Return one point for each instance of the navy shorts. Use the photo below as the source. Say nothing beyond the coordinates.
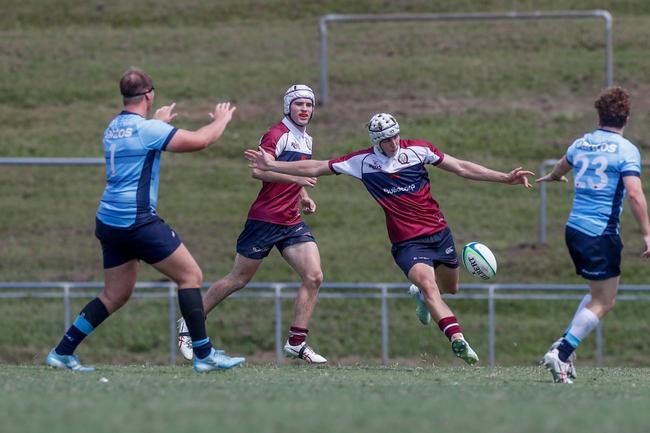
(434, 250)
(151, 242)
(259, 237)
(595, 257)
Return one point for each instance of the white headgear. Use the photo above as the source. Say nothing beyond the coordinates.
(297, 91)
(381, 127)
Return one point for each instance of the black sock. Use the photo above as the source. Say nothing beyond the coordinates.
(565, 349)
(92, 315)
(191, 304)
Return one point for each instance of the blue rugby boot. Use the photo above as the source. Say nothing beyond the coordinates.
(70, 362)
(216, 361)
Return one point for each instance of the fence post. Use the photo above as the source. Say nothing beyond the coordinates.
(67, 313)
(541, 237)
(278, 324)
(600, 344)
(171, 297)
(384, 325)
(492, 333)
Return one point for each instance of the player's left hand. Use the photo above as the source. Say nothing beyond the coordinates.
(165, 113)
(519, 176)
(259, 159)
(308, 205)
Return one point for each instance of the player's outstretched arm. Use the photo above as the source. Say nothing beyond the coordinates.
(270, 176)
(258, 159)
(561, 168)
(471, 170)
(191, 141)
(639, 208)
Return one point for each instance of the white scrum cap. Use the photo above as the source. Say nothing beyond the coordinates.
(381, 127)
(297, 91)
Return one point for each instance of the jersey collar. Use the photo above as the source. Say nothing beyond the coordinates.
(125, 113)
(380, 152)
(293, 128)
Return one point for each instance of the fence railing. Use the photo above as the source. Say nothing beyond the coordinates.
(281, 291)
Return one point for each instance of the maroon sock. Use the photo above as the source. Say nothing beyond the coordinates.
(449, 326)
(297, 335)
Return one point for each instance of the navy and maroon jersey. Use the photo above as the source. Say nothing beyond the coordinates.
(400, 184)
(277, 203)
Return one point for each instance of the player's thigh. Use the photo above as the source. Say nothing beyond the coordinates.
(119, 282)
(447, 278)
(423, 275)
(604, 291)
(304, 258)
(244, 269)
(181, 267)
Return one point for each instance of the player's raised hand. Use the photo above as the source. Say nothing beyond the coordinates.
(519, 176)
(222, 111)
(308, 205)
(259, 159)
(552, 178)
(165, 113)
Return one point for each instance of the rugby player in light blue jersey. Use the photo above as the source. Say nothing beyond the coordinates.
(605, 167)
(129, 228)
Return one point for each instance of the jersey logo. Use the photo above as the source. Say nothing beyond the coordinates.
(375, 165)
(403, 158)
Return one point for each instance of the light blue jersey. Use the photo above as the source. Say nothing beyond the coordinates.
(600, 160)
(132, 148)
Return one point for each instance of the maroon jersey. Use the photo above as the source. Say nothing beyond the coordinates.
(400, 184)
(277, 203)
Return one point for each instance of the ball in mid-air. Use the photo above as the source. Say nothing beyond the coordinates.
(479, 261)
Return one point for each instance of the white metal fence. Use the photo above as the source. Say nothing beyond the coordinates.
(66, 291)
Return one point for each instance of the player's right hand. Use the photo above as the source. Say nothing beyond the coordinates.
(165, 113)
(222, 111)
(646, 253)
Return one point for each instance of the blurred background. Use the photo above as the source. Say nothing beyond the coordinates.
(501, 93)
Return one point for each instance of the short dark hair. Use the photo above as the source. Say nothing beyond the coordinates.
(134, 84)
(613, 106)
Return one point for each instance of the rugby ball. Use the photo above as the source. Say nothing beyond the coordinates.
(479, 261)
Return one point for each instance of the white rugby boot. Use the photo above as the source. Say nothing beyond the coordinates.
(571, 369)
(461, 349)
(421, 309)
(184, 340)
(558, 369)
(304, 352)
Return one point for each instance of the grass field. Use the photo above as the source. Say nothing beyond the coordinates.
(268, 399)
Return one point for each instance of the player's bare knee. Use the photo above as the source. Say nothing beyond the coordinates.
(238, 281)
(430, 292)
(191, 279)
(313, 280)
(114, 301)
